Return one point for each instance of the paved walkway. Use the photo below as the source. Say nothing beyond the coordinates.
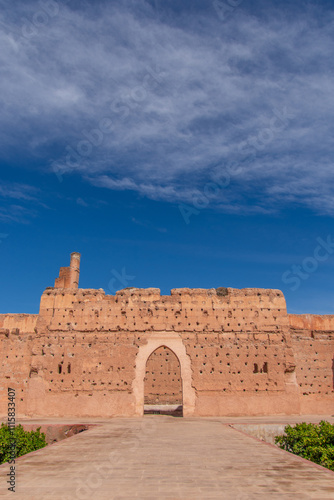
(161, 457)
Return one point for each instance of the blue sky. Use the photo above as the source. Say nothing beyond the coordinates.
(172, 144)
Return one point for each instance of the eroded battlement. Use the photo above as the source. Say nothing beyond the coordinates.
(14, 323)
(185, 309)
(312, 322)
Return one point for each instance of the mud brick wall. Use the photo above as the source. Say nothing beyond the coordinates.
(144, 310)
(17, 336)
(238, 373)
(313, 343)
(237, 352)
(25, 323)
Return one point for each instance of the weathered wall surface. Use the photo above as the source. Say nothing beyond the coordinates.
(238, 353)
(142, 310)
(81, 360)
(17, 334)
(313, 344)
(26, 323)
(311, 322)
(62, 374)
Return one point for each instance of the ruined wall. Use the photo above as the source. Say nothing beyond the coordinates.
(26, 323)
(240, 374)
(17, 334)
(144, 310)
(83, 352)
(313, 344)
(237, 353)
(69, 276)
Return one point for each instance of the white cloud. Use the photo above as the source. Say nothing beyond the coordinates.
(182, 100)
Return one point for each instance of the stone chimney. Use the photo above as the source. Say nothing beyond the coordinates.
(69, 276)
(74, 270)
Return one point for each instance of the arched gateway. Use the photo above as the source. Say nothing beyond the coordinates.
(173, 342)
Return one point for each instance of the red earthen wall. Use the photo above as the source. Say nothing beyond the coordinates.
(79, 356)
(313, 344)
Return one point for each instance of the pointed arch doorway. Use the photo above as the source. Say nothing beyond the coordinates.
(173, 341)
(163, 383)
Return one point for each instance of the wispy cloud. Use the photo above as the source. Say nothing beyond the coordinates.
(132, 100)
(16, 213)
(18, 191)
(18, 202)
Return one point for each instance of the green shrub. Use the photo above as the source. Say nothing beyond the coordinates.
(20, 441)
(311, 441)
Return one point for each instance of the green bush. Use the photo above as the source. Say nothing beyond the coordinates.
(20, 441)
(311, 441)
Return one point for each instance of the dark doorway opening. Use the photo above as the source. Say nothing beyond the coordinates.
(163, 384)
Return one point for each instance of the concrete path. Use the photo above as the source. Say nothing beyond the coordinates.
(161, 457)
